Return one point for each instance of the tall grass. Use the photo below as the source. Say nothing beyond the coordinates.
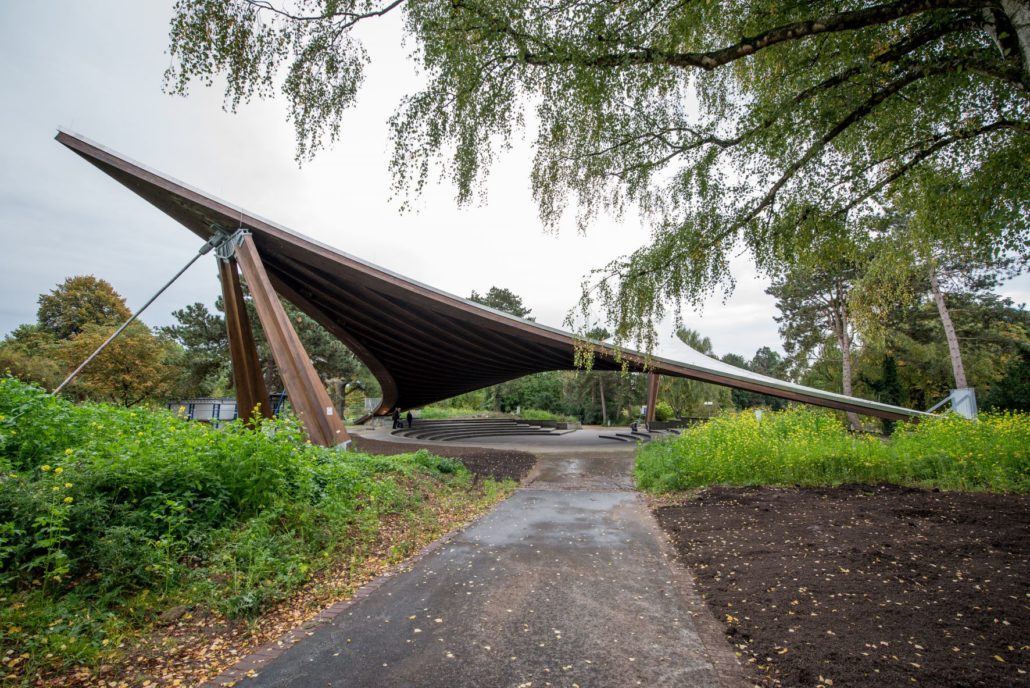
(109, 516)
(813, 447)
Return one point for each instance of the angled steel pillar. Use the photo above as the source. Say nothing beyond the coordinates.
(307, 394)
(250, 386)
(652, 396)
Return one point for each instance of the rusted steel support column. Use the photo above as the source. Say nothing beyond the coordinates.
(652, 396)
(246, 367)
(307, 393)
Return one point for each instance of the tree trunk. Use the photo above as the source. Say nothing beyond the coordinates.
(846, 381)
(1018, 13)
(845, 349)
(604, 406)
(949, 330)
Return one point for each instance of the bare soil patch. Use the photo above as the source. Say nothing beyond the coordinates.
(499, 464)
(863, 585)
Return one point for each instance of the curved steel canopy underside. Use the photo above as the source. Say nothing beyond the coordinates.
(422, 344)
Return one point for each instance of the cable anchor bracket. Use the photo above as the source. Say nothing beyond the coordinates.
(225, 242)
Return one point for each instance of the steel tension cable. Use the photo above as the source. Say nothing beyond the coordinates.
(220, 237)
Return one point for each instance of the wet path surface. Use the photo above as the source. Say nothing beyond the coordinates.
(565, 584)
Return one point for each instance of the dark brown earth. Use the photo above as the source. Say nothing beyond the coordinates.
(864, 585)
(499, 464)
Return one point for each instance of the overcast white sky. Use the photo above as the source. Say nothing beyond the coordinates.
(96, 68)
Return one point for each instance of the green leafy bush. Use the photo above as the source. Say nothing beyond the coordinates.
(109, 515)
(444, 412)
(541, 414)
(663, 411)
(813, 447)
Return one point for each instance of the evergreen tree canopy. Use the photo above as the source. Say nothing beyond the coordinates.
(502, 300)
(206, 365)
(765, 362)
(813, 297)
(967, 239)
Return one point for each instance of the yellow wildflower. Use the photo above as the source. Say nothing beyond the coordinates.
(69, 500)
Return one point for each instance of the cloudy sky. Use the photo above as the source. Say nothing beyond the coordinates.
(96, 69)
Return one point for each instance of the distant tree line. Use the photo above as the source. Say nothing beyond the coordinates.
(839, 331)
(144, 365)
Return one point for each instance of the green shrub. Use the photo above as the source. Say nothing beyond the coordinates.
(663, 411)
(541, 414)
(109, 515)
(444, 412)
(437, 463)
(813, 447)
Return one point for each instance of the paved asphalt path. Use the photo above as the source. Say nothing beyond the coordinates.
(567, 583)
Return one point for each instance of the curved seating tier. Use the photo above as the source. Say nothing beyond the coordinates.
(639, 435)
(453, 430)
